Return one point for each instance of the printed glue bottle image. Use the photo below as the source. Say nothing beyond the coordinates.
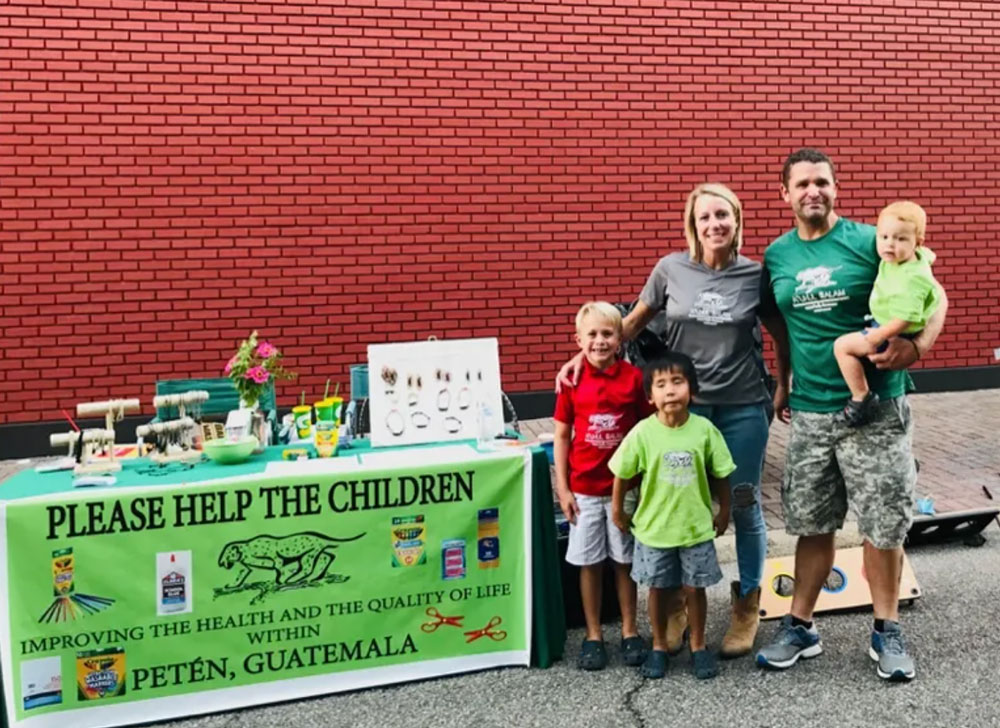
(173, 584)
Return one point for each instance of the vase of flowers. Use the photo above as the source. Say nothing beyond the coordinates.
(251, 369)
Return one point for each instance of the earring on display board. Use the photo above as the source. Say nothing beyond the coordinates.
(444, 394)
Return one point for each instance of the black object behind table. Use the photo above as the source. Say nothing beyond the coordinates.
(549, 621)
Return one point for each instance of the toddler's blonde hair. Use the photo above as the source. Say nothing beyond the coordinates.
(906, 211)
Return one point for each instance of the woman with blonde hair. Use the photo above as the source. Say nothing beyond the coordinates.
(711, 295)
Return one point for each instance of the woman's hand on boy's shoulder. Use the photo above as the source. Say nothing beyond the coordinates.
(569, 374)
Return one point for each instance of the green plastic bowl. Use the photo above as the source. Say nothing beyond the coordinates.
(227, 452)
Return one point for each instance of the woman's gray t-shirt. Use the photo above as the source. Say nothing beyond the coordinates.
(711, 315)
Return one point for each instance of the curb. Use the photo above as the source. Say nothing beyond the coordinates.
(780, 543)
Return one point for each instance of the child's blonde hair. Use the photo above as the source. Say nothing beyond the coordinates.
(690, 226)
(603, 309)
(906, 211)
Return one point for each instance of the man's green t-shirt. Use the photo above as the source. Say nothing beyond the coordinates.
(906, 291)
(675, 503)
(822, 288)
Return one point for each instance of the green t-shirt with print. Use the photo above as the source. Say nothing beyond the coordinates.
(822, 289)
(906, 291)
(675, 504)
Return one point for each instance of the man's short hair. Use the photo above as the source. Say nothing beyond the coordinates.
(604, 310)
(806, 154)
(906, 211)
(671, 361)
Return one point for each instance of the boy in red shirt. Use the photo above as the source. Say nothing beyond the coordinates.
(592, 418)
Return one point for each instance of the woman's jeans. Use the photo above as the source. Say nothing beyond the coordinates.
(744, 428)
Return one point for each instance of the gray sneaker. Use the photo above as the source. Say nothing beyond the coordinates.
(889, 652)
(789, 644)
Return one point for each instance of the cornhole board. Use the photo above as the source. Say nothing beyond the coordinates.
(951, 526)
(846, 587)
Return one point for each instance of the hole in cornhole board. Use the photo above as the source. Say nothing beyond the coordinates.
(844, 588)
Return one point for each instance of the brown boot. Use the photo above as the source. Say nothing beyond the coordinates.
(743, 627)
(677, 625)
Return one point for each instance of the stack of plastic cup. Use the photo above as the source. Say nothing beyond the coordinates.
(303, 420)
(328, 425)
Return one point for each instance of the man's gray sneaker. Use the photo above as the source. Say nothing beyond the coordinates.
(888, 650)
(789, 644)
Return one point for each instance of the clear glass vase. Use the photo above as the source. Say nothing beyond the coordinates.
(258, 425)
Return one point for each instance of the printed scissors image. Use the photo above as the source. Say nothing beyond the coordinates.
(440, 619)
(487, 631)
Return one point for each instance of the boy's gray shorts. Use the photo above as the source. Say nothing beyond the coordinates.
(695, 566)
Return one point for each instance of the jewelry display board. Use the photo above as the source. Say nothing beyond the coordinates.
(434, 391)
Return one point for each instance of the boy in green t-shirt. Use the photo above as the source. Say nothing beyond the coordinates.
(683, 460)
(903, 297)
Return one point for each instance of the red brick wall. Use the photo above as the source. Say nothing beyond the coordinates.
(336, 173)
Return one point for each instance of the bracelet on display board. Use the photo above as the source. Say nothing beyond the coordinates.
(395, 418)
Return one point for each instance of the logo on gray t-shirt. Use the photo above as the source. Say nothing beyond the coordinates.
(710, 308)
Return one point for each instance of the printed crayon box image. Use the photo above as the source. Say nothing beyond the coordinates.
(100, 673)
(62, 572)
(408, 539)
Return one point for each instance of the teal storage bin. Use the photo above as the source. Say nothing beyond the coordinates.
(359, 381)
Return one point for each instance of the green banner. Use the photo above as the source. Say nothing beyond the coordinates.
(146, 603)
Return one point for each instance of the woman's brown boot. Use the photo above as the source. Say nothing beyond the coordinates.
(743, 627)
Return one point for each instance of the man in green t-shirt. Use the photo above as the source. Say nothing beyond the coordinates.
(820, 276)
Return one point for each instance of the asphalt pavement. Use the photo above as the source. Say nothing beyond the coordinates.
(951, 630)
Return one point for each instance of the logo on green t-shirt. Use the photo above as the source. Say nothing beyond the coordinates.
(816, 289)
(678, 469)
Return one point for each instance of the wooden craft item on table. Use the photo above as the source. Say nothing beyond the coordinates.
(94, 449)
(174, 440)
(846, 587)
(84, 446)
(182, 400)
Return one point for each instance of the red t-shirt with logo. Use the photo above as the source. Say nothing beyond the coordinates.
(601, 409)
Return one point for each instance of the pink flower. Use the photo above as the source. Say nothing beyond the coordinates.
(266, 350)
(229, 366)
(258, 374)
